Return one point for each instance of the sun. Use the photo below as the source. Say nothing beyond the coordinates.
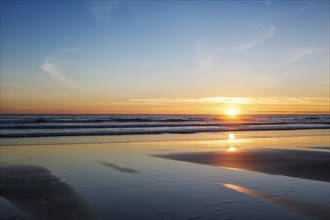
(231, 136)
(231, 111)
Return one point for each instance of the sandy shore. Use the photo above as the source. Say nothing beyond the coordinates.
(170, 179)
(309, 210)
(41, 195)
(314, 165)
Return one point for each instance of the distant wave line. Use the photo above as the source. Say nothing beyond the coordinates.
(161, 131)
(149, 125)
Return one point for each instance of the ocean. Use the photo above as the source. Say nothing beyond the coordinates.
(14, 126)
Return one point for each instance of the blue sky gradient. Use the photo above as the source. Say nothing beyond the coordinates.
(117, 51)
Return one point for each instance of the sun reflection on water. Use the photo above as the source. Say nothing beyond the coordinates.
(231, 149)
(231, 140)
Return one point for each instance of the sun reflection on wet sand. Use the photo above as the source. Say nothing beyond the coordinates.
(232, 140)
(231, 149)
(310, 210)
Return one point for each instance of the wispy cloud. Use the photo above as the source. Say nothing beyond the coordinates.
(235, 100)
(100, 10)
(299, 53)
(205, 57)
(290, 100)
(303, 8)
(268, 2)
(53, 67)
(225, 100)
(14, 85)
(253, 43)
(325, 82)
(18, 87)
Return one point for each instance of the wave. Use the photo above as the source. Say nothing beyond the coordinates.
(77, 119)
(140, 125)
(149, 131)
(86, 125)
(97, 119)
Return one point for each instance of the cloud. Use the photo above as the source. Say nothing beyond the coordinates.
(268, 2)
(235, 100)
(253, 43)
(299, 53)
(100, 10)
(205, 58)
(226, 100)
(18, 87)
(290, 101)
(53, 67)
(326, 82)
(303, 8)
(14, 85)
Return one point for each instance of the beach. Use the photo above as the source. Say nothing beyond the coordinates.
(227, 175)
(164, 110)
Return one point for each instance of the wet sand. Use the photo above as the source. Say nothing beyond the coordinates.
(313, 165)
(310, 210)
(118, 168)
(152, 179)
(34, 190)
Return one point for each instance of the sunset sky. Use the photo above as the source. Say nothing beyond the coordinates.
(164, 57)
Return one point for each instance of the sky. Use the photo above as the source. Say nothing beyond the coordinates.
(155, 57)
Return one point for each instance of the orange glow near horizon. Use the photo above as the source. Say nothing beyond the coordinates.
(72, 103)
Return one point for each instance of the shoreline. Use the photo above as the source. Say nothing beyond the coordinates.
(204, 136)
(216, 130)
(101, 178)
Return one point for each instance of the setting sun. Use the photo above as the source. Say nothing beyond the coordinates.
(231, 111)
(231, 136)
